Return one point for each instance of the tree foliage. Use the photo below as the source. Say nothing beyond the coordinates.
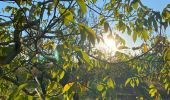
(47, 50)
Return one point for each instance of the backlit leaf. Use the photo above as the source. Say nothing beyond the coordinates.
(152, 92)
(90, 32)
(62, 74)
(137, 81)
(127, 81)
(132, 83)
(82, 5)
(100, 87)
(145, 48)
(135, 5)
(103, 93)
(68, 17)
(166, 86)
(145, 35)
(91, 35)
(110, 83)
(84, 56)
(151, 86)
(67, 86)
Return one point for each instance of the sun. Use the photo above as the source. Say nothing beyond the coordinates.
(110, 43)
(107, 45)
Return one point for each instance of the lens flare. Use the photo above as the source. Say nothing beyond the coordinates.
(107, 45)
(110, 43)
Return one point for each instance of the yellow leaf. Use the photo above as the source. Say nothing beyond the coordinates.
(145, 48)
(67, 86)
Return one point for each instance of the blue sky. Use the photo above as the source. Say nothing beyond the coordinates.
(157, 5)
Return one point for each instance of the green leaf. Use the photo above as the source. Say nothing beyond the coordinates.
(82, 5)
(30, 97)
(132, 83)
(94, 1)
(166, 86)
(166, 14)
(137, 81)
(100, 87)
(151, 86)
(106, 26)
(135, 5)
(68, 17)
(21, 97)
(8, 8)
(21, 86)
(127, 81)
(168, 56)
(91, 35)
(145, 35)
(110, 83)
(83, 34)
(113, 1)
(16, 92)
(152, 92)
(134, 36)
(34, 60)
(103, 93)
(90, 32)
(62, 74)
(84, 56)
(168, 6)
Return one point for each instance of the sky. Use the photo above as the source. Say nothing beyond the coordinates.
(157, 5)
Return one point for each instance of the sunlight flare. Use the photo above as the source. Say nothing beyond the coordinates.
(107, 45)
(110, 43)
